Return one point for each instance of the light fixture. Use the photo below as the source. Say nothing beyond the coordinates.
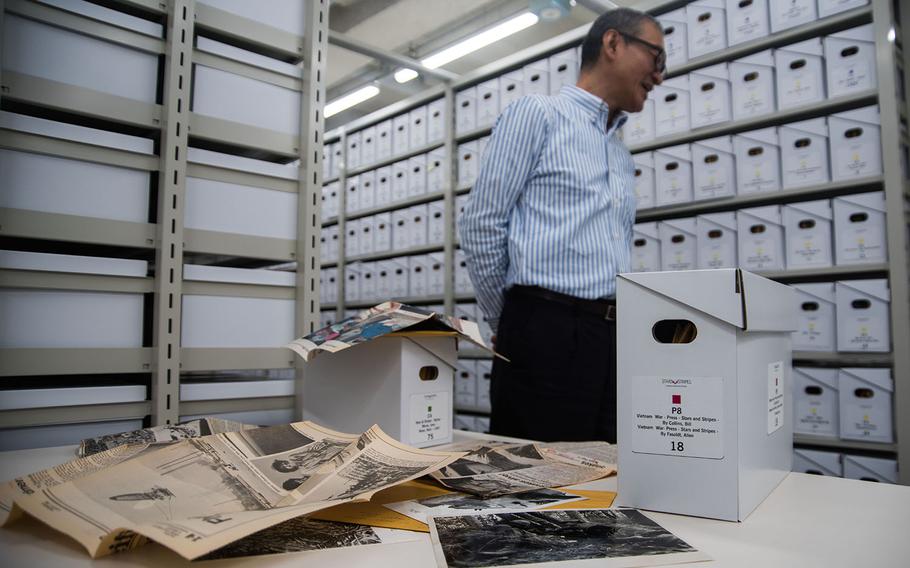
(551, 10)
(892, 35)
(350, 99)
(471, 44)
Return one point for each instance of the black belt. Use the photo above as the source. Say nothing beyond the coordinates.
(603, 307)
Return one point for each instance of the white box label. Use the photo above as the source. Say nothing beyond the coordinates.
(431, 417)
(775, 396)
(862, 243)
(678, 416)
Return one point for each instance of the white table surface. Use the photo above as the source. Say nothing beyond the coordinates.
(807, 521)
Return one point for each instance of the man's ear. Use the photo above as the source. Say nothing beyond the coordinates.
(610, 44)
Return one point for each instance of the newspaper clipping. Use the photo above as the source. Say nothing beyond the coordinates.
(491, 471)
(201, 494)
(161, 435)
(465, 504)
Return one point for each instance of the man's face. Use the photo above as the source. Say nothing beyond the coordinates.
(637, 66)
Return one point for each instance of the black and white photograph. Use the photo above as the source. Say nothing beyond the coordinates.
(463, 503)
(616, 538)
(274, 439)
(366, 474)
(487, 459)
(290, 469)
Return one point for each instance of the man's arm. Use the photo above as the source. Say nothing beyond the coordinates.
(508, 163)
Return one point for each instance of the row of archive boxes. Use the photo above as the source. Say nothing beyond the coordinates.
(848, 315)
(399, 230)
(845, 146)
(416, 176)
(396, 136)
(479, 105)
(472, 385)
(863, 468)
(801, 74)
(706, 26)
(846, 404)
(471, 423)
(416, 276)
(811, 234)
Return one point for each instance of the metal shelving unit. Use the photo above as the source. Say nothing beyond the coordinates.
(176, 130)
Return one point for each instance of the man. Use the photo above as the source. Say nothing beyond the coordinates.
(548, 227)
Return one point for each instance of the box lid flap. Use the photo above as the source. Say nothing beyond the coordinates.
(680, 83)
(878, 467)
(644, 159)
(719, 71)
(808, 47)
(765, 58)
(713, 292)
(879, 378)
(862, 33)
(869, 114)
(824, 461)
(764, 135)
(684, 225)
(823, 291)
(820, 208)
(726, 219)
(646, 230)
(708, 4)
(681, 152)
(874, 201)
(678, 16)
(826, 377)
(768, 213)
(720, 144)
(768, 304)
(877, 288)
(817, 126)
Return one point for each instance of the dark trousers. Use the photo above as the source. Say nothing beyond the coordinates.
(560, 382)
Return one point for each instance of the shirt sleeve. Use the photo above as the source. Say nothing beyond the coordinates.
(508, 164)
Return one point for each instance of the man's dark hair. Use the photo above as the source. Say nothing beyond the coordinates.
(624, 20)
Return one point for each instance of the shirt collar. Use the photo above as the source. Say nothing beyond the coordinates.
(593, 106)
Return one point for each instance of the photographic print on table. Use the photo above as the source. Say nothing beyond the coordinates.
(614, 538)
(464, 504)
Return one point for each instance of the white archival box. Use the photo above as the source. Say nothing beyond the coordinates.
(673, 168)
(368, 146)
(829, 7)
(511, 87)
(707, 27)
(817, 463)
(328, 287)
(671, 106)
(398, 186)
(436, 170)
(865, 404)
(747, 20)
(332, 194)
(417, 175)
(850, 61)
(645, 186)
(716, 240)
(713, 415)
(676, 40)
(487, 102)
(816, 318)
(337, 158)
(537, 78)
(563, 70)
(60, 318)
(815, 401)
(484, 374)
(369, 283)
(710, 100)
(436, 121)
(384, 270)
(368, 234)
(800, 73)
(468, 163)
(418, 226)
(713, 168)
(352, 159)
(865, 468)
(242, 320)
(352, 282)
(436, 222)
(639, 127)
(804, 153)
(678, 244)
(859, 229)
(856, 147)
(417, 126)
(786, 14)
(466, 110)
(368, 189)
(466, 385)
(757, 161)
(645, 247)
(419, 282)
(384, 140)
(401, 137)
(402, 383)
(465, 422)
(808, 231)
(352, 238)
(863, 322)
(352, 194)
(463, 284)
(752, 78)
(333, 242)
(436, 278)
(382, 232)
(760, 233)
(401, 229)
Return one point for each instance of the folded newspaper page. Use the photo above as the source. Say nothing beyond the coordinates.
(491, 471)
(386, 318)
(161, 434)
(466, 504)
(200, 494)
(615, 538)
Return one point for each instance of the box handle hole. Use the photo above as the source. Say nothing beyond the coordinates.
(860, 304)
(674, 331)
(809, 306)
(813, 390)
(863, 393)
(428, 373)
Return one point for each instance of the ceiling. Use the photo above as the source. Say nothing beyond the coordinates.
(417, 28)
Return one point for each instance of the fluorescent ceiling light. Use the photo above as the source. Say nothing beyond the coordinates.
(350, 99)
(472, 44)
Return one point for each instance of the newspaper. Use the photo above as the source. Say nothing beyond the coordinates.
(616, 538)
(201, 494)
(491, 471)
(386, 318)
(161, 434)
(466, 504)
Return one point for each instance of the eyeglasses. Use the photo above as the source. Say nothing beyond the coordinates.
(660, 56)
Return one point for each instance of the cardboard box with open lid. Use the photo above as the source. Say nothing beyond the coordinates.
(704, 410)
(391, 365)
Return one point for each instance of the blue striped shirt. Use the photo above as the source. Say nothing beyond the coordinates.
(554, 202)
